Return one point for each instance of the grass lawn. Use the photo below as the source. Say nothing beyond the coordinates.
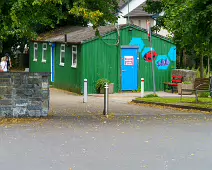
(203, 102)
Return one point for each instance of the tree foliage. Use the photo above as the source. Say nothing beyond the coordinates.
(27, 17)
(22, 20)
(189, 22)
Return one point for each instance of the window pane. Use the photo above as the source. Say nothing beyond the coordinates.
(36, 54)
(62, 48)
(35, 45)
(44, 54)
(62, 57)
(44, 46)
(74, 49)
(74, 59)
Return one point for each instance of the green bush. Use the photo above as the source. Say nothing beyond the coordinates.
(204, 94)
(205, 72)
(100, 84)
(151, 95)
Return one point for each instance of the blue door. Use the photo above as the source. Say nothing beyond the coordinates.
(52, 62)
(129, 68)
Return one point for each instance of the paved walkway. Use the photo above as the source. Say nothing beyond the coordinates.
(138, 94)
(66, 104)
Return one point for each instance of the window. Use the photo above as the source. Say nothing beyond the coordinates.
(44, 53)
(62, 54)
(74, 56)
(139, 23)
(35, 52)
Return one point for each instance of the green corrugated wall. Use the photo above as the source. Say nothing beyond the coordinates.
(66, 77)
(162, 47)
(101, 60)
(38, 66)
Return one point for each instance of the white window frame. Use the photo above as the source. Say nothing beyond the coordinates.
(62, 45)
(74, 65)
(44, 51)
(35, 58)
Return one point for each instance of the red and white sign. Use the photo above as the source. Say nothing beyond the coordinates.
(129, 61)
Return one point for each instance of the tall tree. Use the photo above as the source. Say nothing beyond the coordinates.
(26, 18)
(190, 23)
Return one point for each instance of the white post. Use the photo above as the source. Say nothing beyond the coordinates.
(85, 99)
(142, 87)
(105, 111)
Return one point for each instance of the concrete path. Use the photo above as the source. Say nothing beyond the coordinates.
(138, 94)
(66, 103)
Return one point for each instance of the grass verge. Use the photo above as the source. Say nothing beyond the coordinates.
(203, 102)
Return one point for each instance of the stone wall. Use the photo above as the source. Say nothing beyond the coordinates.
(188, 75)
(24, 94)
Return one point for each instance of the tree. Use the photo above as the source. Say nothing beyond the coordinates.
(24, 17)
(190, 23)
(20, 19)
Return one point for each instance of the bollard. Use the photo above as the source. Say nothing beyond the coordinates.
(85, 98)
(105, 111)
(142, 87)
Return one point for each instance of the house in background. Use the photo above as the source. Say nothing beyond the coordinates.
(122, 56)
(136, 15)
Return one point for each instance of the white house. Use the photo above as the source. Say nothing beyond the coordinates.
(133, 4)
(136, 15)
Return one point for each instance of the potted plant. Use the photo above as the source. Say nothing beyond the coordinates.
(185, 85)
(100, 84)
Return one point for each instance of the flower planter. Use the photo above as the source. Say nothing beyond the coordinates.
(185, 86)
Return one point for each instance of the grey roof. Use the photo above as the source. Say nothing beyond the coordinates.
(75, 34)
(123, 3)
(138, 12)
(79, 35)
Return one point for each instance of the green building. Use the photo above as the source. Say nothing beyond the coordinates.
(122, 55)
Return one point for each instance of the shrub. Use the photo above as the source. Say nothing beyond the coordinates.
(205, 72)
(100, 84)
(204, 94)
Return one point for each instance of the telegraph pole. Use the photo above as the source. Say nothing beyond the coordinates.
(128, 17)
(153, 65)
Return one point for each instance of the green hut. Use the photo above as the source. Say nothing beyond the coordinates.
(121, 54)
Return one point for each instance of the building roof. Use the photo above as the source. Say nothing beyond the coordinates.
(123, 3)
(75, 34)
(138, 12)
(80, 35)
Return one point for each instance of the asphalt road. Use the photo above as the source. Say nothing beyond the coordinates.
(77, 137)
(120, 143)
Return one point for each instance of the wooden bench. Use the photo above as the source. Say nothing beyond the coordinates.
(200, 85)
(174, 83)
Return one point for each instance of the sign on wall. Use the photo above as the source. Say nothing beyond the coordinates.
(162, 62)
(128, 60)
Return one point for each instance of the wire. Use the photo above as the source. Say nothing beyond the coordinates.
(118, 41)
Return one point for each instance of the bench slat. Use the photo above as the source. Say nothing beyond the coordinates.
(176, 81)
